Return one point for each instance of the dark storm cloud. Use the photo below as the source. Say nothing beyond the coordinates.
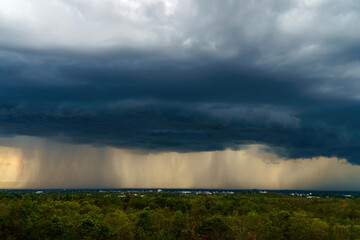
(209, 107)
(189, 78)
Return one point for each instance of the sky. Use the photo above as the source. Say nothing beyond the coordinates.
(168, 93)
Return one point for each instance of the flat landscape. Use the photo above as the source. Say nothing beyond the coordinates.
(200, 214)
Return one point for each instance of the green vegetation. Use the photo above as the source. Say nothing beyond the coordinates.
(176, 216)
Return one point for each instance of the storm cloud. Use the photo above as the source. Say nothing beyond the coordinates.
(184, 76)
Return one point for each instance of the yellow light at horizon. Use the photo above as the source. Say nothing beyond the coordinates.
(10, 166)
(38, 163)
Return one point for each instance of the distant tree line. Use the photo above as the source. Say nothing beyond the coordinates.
(176, 216)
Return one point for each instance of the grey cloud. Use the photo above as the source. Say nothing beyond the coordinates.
(183, 75)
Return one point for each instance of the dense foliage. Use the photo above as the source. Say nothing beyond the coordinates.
(176, 216)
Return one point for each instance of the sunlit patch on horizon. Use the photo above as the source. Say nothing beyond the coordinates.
(11, 167)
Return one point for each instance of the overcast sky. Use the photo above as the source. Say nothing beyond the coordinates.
(184, 76)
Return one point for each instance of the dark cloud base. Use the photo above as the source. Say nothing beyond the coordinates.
(177, 130)
(197, 105)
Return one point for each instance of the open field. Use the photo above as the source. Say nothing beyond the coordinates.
(166, 215)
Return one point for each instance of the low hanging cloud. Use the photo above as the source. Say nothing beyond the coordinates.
(183, 76)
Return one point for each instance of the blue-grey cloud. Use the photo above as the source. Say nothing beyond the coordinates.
(183, 76)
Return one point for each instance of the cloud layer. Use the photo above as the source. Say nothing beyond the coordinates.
(184, 75)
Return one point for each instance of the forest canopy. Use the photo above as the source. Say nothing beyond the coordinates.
(113, 215)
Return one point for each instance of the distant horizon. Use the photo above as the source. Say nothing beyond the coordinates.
(179, 189)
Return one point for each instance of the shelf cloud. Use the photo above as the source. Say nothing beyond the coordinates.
(184, 76)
